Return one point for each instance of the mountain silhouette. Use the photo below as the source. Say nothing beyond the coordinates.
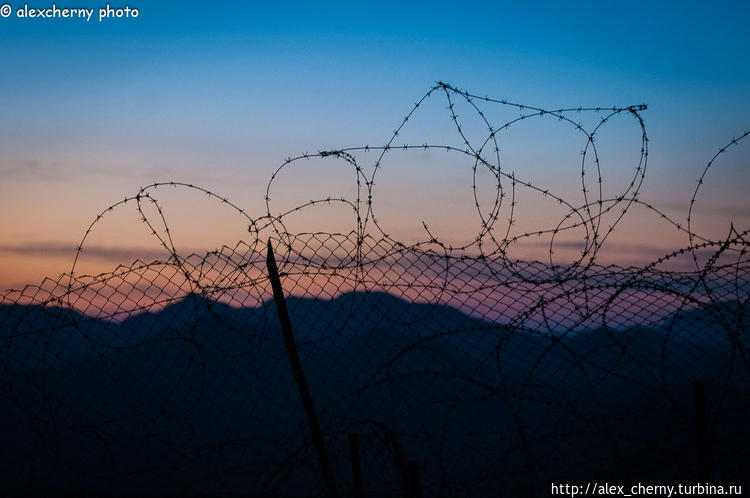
(199, 397)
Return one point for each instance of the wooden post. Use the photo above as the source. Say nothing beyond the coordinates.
(299, 374)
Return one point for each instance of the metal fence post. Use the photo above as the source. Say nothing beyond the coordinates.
(299, 374)
(701, 429)
(411, 477)
(354, 454)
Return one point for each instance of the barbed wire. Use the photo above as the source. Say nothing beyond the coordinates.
(493, 373)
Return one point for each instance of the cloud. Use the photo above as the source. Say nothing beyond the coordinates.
(725, 211)
(613, 247)
(60, 171)
(68, 251)
(10, 168)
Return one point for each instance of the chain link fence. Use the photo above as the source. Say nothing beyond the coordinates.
(434, 369)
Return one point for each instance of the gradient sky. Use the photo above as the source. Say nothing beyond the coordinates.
(219, 94)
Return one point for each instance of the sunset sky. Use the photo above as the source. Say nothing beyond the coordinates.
(220, 94)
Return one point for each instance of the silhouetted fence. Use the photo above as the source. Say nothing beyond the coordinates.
(419, 368)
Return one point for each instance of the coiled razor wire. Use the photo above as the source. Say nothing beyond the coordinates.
(495, 374)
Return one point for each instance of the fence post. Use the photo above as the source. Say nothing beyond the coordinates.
(299, 374)
(412, 479)
(354, 454)
(701, 430)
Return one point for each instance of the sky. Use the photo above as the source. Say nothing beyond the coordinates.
(219, 94)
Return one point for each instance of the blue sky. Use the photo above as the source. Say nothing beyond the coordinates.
(220, 93)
